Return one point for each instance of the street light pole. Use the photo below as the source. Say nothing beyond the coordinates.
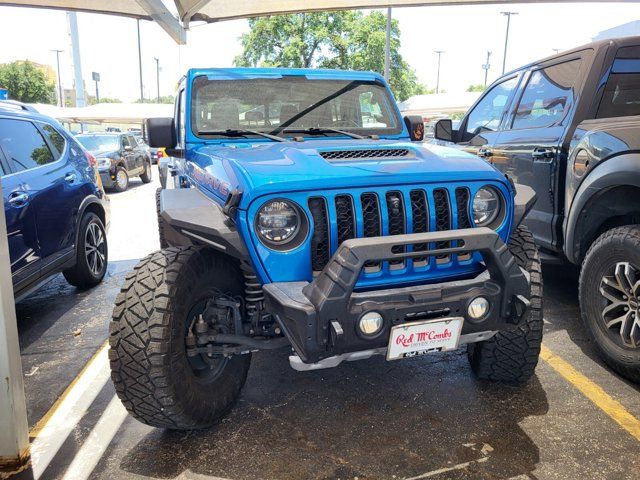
(486, 68)
(60, 94)
(387, 47)
(140, 62)
(439, 52)
(506, 39)
(157, 76)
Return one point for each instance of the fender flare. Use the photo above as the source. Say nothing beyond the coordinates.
(195, 218)
(88, 200)
(618, 171)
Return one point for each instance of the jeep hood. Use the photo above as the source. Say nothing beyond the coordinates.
(265, 168)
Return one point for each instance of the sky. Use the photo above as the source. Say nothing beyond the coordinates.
(465, 33)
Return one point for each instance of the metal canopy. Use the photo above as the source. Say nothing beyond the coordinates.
(218, 10)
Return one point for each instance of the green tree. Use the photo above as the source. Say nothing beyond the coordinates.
(27, 83)
(163, 99)
(343, 39)
(92, 101)
(479, 87)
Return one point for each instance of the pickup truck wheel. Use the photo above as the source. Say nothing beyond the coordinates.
(147, 175)
(610, 298)
(512, 356)
(154, 313)
(161, 222)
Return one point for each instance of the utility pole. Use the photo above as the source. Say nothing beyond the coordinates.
(157, 76)
(439, 52)
(506, 39)
(486, 68)
(140, 62)
(387, 48)
(60, 93)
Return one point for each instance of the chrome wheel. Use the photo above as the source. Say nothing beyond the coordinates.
(621, 315)
(121, 179)
(94, 248)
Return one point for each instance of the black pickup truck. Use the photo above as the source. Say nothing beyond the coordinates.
(569, 126)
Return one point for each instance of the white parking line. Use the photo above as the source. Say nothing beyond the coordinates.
(63, 418)
(96, 444)
(485, 450)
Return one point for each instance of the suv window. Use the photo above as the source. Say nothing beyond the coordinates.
(488, 112)
(55, 139)
(23, 144)
(621, 96)
(547, 96)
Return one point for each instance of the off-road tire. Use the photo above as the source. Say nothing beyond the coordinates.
(512, 356)
(149, 367)
(620, 244)
(147, 175)
(80, 275)
(161, 222)
(116, 185)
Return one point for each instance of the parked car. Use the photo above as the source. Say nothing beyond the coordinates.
(569, 127)
(119, 157)
(156, 154)
(57, 213)
(316, 229)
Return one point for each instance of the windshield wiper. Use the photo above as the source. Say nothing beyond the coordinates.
(241, 133)
(322, 130)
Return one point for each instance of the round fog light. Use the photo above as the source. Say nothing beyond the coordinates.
(478, 308)
(370, 323)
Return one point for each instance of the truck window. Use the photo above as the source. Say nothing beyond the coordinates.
(547, 96)
(621, 97)
(487, 113)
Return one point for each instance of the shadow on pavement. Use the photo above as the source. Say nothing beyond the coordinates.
(369, 419)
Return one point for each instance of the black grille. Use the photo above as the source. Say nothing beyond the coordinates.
(345, 219)
(462, 200)
(320, 246)
(370, 219)
(443, 217)
(420, 213)
(364, 154)
(395, 212)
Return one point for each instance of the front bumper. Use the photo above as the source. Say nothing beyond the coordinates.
(320, 318)
(107, 178)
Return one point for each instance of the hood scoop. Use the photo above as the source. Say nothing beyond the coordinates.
(365, 154)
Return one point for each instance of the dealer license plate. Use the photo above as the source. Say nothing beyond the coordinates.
(417, 338)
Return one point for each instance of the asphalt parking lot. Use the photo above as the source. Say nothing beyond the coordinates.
(421, 418)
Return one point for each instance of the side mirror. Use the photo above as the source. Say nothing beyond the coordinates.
(444, 130)
(415, 125)
(128, 148)
(161, 132)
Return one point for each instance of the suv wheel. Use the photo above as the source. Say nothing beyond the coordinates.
(91, 255)
(512, 356)
(147, 174)
(153, 321)
(122, 179)
(610, 298)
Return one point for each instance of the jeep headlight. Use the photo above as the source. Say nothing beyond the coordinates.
(486, 206)
(278, 222)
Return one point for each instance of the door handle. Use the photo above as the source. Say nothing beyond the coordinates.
(485, 152)
(70, 177)
(543, 154)
(18, 199)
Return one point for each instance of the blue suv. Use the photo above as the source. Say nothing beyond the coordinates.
(56, 210)
(307, 214)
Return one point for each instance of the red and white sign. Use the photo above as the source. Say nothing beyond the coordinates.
(417, 338)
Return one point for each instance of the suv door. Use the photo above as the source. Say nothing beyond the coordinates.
(531, 141)
(479, 129)
(139, 153)
(19, 142)
(128, 154)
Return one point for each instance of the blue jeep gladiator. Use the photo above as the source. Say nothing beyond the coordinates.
(301, 212)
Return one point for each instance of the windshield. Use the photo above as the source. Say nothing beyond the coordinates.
(292, 105)
(99, 143)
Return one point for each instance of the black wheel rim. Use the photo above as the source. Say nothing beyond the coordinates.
(620, 290)
(95, 249)
(205, 368)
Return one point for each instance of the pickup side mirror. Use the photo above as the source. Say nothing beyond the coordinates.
(444, 130)
(128, 148)
(415, 125)
(161, 132)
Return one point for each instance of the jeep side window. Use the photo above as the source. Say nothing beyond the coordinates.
(621, 96)
(547, 96)
(488, 112)
(23, 144)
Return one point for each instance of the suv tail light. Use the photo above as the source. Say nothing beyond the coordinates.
(92, 160)
(160, 154)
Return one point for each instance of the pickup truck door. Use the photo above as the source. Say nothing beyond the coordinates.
(479, 129)
(530, 145)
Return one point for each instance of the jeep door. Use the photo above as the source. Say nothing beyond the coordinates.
(530, 143)
(480, 127)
